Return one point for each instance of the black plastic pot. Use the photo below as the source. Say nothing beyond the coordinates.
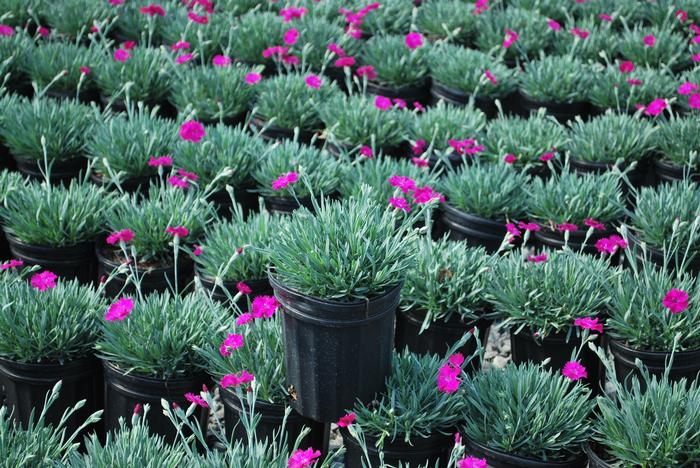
(62, 171)
(473, 229)
(594, 459)
(419, 92)
(686, 364)
(555, 239)
(69, 262)
(86, 95)
(124, 391)
(157, 279)
(666, 171)
(286, 205)
(641, 175)
(562, 111)
(422, 451)
(271, 417)
(138, 184)
(400, 151)
(656, 256)
(498, 459)
(260, 287)
(439, 337)
(244, 197)
(524, 347)
(454, 160)
(231, 121)
(456, 97)
(26, 386)
(335, 352)
(274, 133)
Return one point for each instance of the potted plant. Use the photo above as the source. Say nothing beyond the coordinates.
(223, 162)
(551, 433)
(528, 144)
(346, 308)
(148, 353)
(13, 51)
(257, 31)
(124, 148)
(481, 200)
(543, 307)
(62, 69)
(612, 140)
(559, 84)
(588, 39)
(443, 298)
(548, 8)
(677, 145)
(48, 332)
(256, 348)
(390, 17)
(621, 87)
(400, 67)
(316, 33)
(46, 133)
(146, 235)
(655, 47)
(206, 33)
(282, 165)
(288, 102)
(448, 133)
(687, 101)
(143, 21)
(73, 18)
(9, 181)
(458, 74)
(654, 314)
(236, 252)
(356, 121)
(576, 210)
(411, 422)
(452, 20)
(215, 94)
(56, 227)
(664, 226)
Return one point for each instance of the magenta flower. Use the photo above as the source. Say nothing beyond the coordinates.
(510, 39)
(448, 378)
(490, 76)
(480, 6)
(413, 40)
(183, 58)
(180, 45)
(634, 82)
(221, 61)
(347, 420)
(553, 25)
(252, 78)
(192, 131)
(404, 183)
(573, 370)
(467, 146)
(122, 55)
(547, 156)
(626, 66)
(177, 231)
(234, 380)
(196, 399)
(532, 227)
(11, 264)
(125, 235)
(284, 180)
(243, 319)
(128, 45)
(313, 81)
(563, 227)
(513, 232)
(655, 107)
(695, 57)
(44, 280)
(6, 30)
(137, 408)
(243, 288)
(589, 323)
(456, 359)
(420, 162)
(472, 462)
(197, 251)
(187, 175)
(85, 70)
(400, 204)
(681, 15)
(426, 194)
(160, 161)
(418, 106)
(279, 51)
(367, 152)
(649, 40)
(419, 147)
(303, 458)
(382, 103)
(177, 181)
(610, 244)
(199, 19)
(290, 14)
(540, 258)
(44, 31)
(264, 306)
(232, 342)
(152, 10)
(694, 101)
(590, 222)
(676, 300)
(399, 103)
(336, 49)
(344, 62)
(687, 88)
(291, 60)
(120, 310)
(291, 36)
(509, 158)
(366, 70)
(580, 33)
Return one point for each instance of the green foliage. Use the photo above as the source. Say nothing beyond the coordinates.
(678, 141)
(601, 39)
(9, 182)
(316, 33)
(13, 53)
(549, 8)
(546, 297)
(463, 69)
(442, 122)
(56, 216)
(613, 89)
(58, 325)
(255, 32)
(571, 198)
(49, 60)
(612, 137)
(670, 48)
(396, 65)
(448, 280)
(556, 79)
(453, 20)
(392, 17)
(488, 191)
(145, 76)
(527, 411)
(319, 172)
(160, 335)
(147, 30)
(531, 26)
(74, 17)
(16, 12)
(206, 40)
(291, 102)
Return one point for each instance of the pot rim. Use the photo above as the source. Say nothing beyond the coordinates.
(451, 210)
(619, 344)
(519, 459)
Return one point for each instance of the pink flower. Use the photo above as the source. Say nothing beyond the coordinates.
(605, 17)
(589, 323)
(510, 39)
(290, 14)
(456, 359)
(344, 62)
(472, 462)
(682, 15)
(532, 227)
(655, 107)
(85, 70)
(128, 45)
(303, 458)
(197, 251)
(120, 310)
(547, 157)
(234, 380)
(279, 51)
(563, 227)
(610, 244)
(137, 408)
(313, 81)
(125, 235)
(695, 57)
(43, 31)
(649, 40)
(44, 280)
(243, 288)
(291, 36)
(676, 300)
(541, 258)
(419, 147)
(413, 40)
(366, 70)
(221, 61)
(177, 231)
(336, 49)
(399, 103)
(183, 58)
(152, 10)
(467, 146)
(694, 101)
(448, 379)
(11, 264)
(573, 370)
(509, 158)
(420, 162)
(458, 438)
(187, 175)
(513, 232)
(252, 78)
(264, 306)
(196, 399)
(177, 181)
(180, 45)
(626, 66)
(232, 342)
(94, 29)
(160, 161)
(291, 60)
(199, 19)
(491, 77)
(121, 55)
(382, 103)
(116, 2)
(634, 82)
(400, 204)
(367, 152)
(347, 420)
(192, 131)
(418, 106)
(426, 194)
(590, 222)
(243, 319)
(553, 25)
(284, 180)
(406, 184)
(6, 30)
(580, 33)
